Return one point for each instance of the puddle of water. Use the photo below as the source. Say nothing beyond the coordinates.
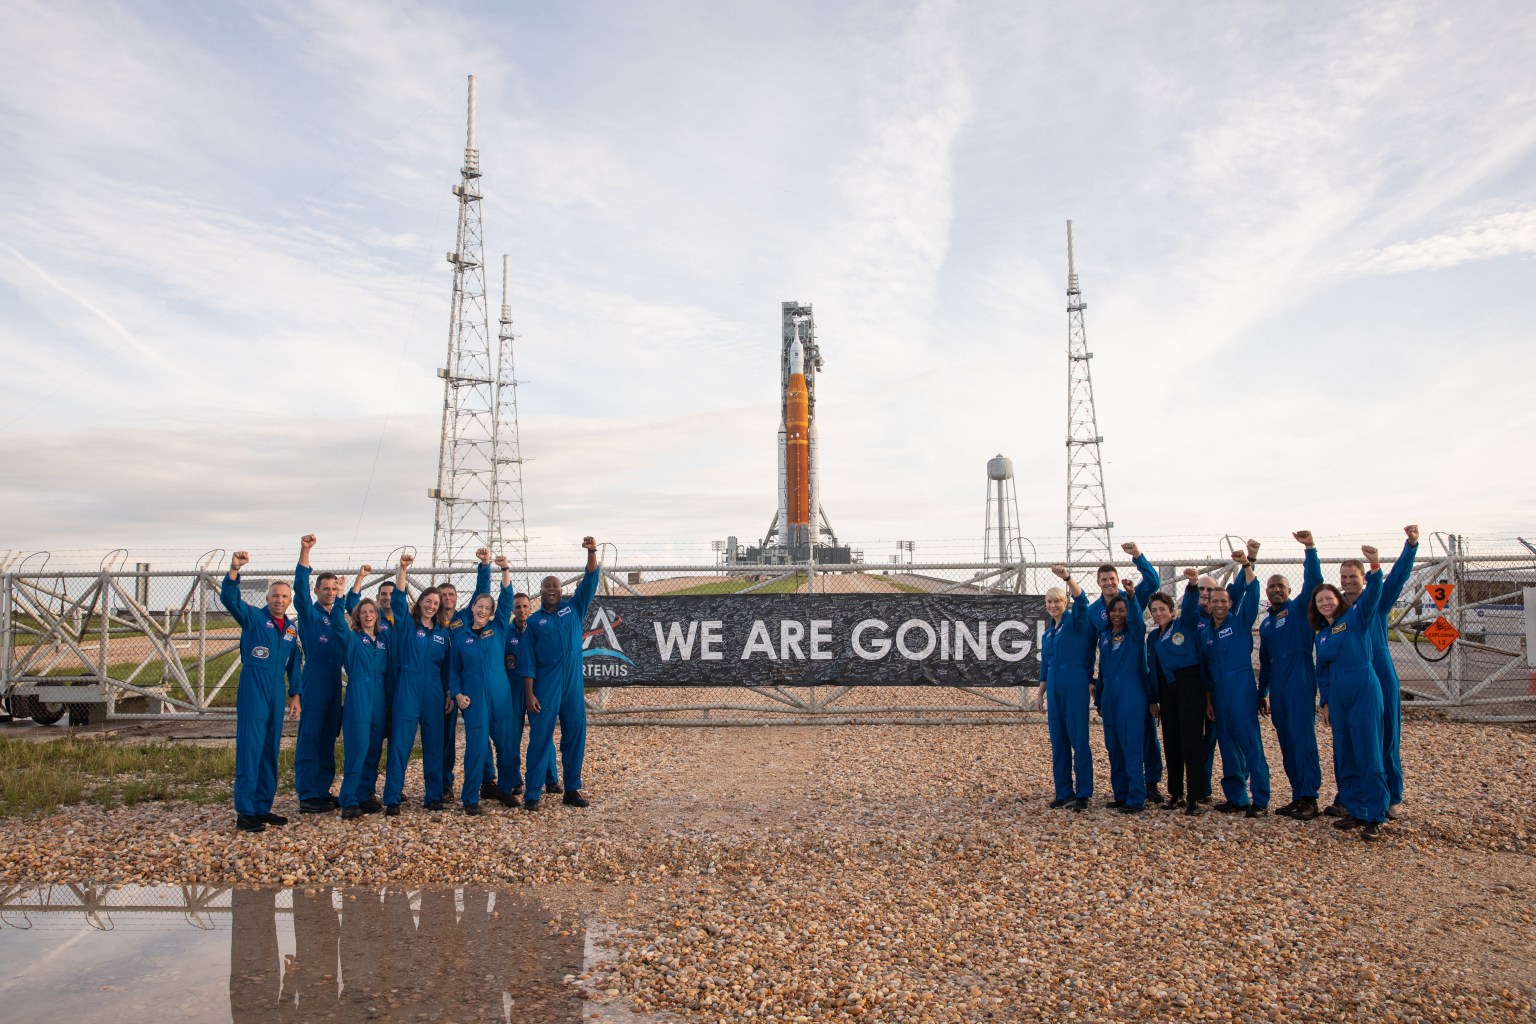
(157, 954)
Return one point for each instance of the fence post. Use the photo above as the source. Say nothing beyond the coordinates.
(1457, 680)
(7, 633)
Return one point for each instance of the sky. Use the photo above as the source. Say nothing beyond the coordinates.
(1304, 233)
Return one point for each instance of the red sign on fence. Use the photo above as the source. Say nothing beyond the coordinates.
(1440, 592)
(1441, 633)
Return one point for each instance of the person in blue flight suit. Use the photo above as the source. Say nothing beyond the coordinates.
(314, 751)
(365, 651)
(386, 622)
(1127, 698)
(1352, 582)
(508, 736)
(478, 684)
(1208, 585)
(1108, 578)
(452, 619)
(1289, 680)
(1226, 646)
(418, 648)
(1066, 668)
(268, 658)
(1173, 655)
(1351, 697)
(550, 663)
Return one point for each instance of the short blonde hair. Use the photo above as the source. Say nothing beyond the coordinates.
(1056, 592)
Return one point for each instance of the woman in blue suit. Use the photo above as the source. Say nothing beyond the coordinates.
(1125, 697)
(366, 657)
(419, 648)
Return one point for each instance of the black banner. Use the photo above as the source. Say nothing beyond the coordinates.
(813, 640)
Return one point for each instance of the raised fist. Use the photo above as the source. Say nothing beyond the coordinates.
(1130, 548)
(307, 541)
(1413, 534)
(589, 543)
(1060, 571)
(239, 560)
(502, 563)
(1192, 574)
(1371, 554)
(1303, 537)
(406, 560)
(1253, 548)
(482, 555)
(1240, 557)
(364, 571)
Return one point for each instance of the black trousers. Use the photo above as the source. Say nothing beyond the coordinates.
(1181, 706)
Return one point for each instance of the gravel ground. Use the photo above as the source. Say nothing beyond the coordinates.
(894, 873)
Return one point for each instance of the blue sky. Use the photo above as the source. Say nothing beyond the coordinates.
(1305, 236)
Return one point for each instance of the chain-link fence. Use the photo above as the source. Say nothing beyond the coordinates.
(159, 644)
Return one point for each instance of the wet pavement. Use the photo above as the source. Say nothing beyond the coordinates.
(154, 954)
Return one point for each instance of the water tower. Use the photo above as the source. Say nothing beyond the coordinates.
(1002, 529)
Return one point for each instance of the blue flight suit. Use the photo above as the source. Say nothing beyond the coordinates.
(269, 650)
(1349, 690)
(511, 738)
(1227, 650)
(1126, 690)
(1289, 679)
(550, 655)
(477, 670)
(1152, 753)
(1386, 672)
(363, 711)
(420, 657)
(1234, 593)
(1173, 657)
(314, 751)
(1066, 670)
(460, 618)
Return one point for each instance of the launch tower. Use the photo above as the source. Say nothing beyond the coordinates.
(474, 505)
(1088, 522)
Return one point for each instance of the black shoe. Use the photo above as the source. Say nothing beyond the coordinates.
(1348, 822)
(1154, 795)
(1064, 801)
(509, 799)
(333, 801)
(1193, 809)
(1174, 804)
(1228, 807)
(1128, 809)
(349, 813)
(1336, 810)
(554, 788)
(1305, 809)
(1205, 799)
(1114, 803)
(1080, 804)
(530, 805)
(371, 806)
(1285, 811)
(517, 790)
(250, 823)
(471, 809)
(273, 819)
(1255, 812)
(487, 791)
(321, 805)
(575, 799)
(391, 810)
(1372, 832)
(434, 805)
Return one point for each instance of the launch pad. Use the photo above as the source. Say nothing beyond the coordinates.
(799, 530)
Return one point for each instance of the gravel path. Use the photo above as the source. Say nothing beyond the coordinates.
(891, 873)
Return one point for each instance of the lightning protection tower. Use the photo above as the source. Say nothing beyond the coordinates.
(466, 493)
(1088, 522)
(509, 528)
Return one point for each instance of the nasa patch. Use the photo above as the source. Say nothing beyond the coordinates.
(323, 638)
(259, 652)
(421, 632)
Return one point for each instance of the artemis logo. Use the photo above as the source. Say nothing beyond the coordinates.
(602, 626)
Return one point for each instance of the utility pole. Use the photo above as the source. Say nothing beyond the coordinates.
(509, 527)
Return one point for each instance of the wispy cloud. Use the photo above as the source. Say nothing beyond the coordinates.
(1512, 233)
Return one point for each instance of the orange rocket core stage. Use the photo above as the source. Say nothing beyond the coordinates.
(797, 455)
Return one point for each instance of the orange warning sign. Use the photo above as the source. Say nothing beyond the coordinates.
(1440, 592)
(1441, 633)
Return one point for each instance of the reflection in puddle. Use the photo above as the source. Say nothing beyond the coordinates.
(162, 953)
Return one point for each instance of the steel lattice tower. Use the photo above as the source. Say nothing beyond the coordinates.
(509, 528)
(466, 506)
(1088, 522)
